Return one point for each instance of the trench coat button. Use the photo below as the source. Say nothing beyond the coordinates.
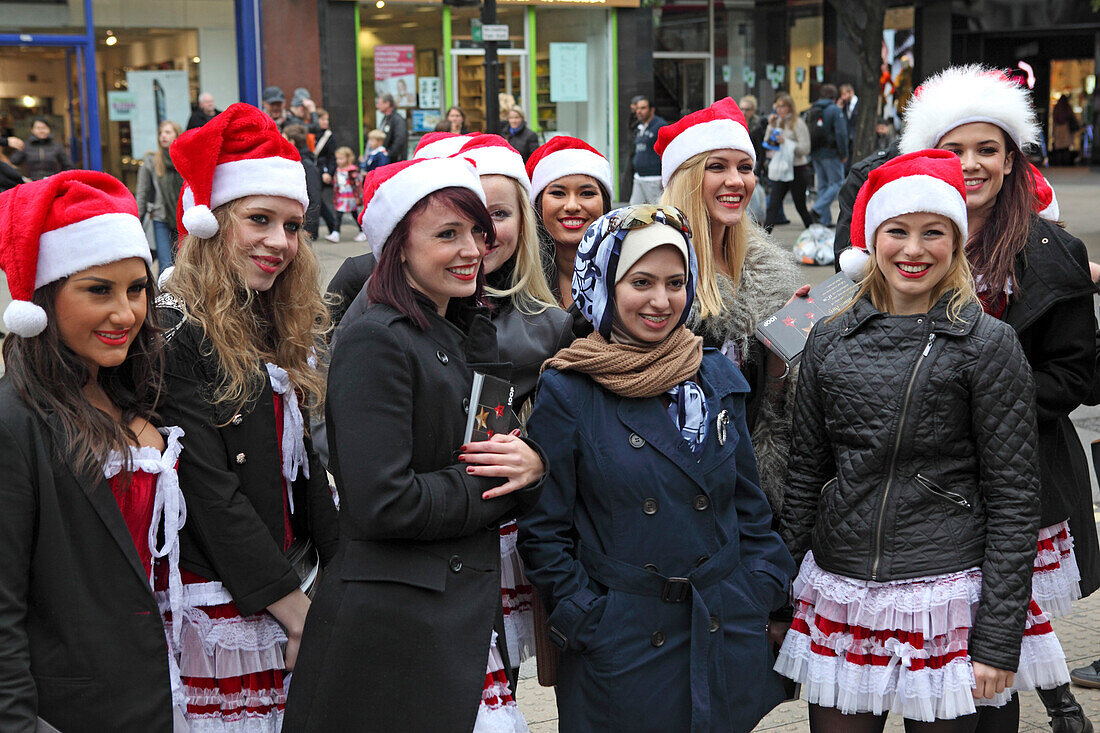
(443, 359)
(649, 506)
(1045, 240)
(241, 458)
(455, 563)
(657, 639)
(636, 441)
(237, 419)
(714, 625)
(466, 405)
(702, 560)
(701, 502)
(650, 567)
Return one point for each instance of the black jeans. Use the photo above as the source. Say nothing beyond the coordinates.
(797, 187)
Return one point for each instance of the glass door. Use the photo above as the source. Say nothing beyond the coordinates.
(468, 82)
(682, 82)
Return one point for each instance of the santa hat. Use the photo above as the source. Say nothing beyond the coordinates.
(441, 144)
(493, 156)
(1046, 203)
(391, 191)
(238, 153)
(963, 94)
(566, 156)
(720, 126)
(58, 226)
(925, 181)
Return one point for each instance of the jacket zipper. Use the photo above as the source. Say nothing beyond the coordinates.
(894, 455)
(950, 496)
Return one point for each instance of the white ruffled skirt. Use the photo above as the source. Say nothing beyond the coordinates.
(1056, 580)
(901, 646)
(498, 712)
(517, 597)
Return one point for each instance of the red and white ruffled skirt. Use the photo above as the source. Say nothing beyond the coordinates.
(231, 666)
(1056, 581)
(517, 597)
(901, 646)
(498, 712)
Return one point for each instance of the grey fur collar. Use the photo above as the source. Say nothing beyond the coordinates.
(768, 279)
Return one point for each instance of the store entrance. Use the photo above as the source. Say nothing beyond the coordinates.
(468, 82)
(682, 83)
(1069, 125)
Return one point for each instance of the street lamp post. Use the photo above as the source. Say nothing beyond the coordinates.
(492, 69)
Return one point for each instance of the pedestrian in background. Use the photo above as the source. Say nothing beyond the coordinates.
(39, 155)
(707, 166)
(516, 132)
(1034, 276)
(828, 151)
(914, 493)
(646, 162)
(847, 101)
(652, 543)
(376, 156)
(571, 188)
(245, 323)
(204, 112)
(82, 645)
(884, 134)
(298, 137)
(785, 125)
(395, 127)
(456, 121)
(415, 601)
(274, 106)
(158, 190)
(347, 191)
(324, 151)
(1065, 129)
(303, 111)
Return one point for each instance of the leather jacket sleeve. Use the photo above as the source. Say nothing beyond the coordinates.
(811, 462)
(1003, 425)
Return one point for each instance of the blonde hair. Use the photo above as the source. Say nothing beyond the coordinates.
(284, 325)
(345, 151)
(528, 290)
(957, 279)
(784, 98)
(684, 191)
(376, 135)
(158, 156)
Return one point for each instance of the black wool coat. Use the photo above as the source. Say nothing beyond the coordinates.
(398, 635)
(231, 475)
(1052, 314)
(81, 640)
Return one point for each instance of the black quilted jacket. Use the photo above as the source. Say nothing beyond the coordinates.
(914, 454)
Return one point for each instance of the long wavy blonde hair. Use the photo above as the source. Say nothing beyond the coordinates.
(684, 191)
(957, 279)
(528, 289)
(285, 325)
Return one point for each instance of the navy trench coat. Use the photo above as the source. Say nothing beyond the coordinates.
(658, 569)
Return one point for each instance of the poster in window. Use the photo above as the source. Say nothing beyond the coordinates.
(568, 72)
(157, 96)
(395, 73)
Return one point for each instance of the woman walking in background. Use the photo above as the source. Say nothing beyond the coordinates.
(158, 190)
(785, 125)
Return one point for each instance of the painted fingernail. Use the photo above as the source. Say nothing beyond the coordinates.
(469, 469)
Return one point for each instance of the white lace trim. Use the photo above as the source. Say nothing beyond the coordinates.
(1056, 588)
(516, 598)
(498, 712)
(270, 723)
(293, 445)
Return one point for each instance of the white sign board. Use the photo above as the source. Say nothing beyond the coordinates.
(568, 72)
(430, 92)
(494, 32)
(120, 106)
(157, 96)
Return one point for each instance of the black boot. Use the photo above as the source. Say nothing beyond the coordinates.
(1066, 715)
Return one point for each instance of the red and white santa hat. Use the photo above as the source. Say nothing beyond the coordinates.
(720, 126)
(963, 94)
(238, 153)
(493, 156)
(566, 156)
(925, 181)
(391, 191)
(1046, 203)
(441, 144)
(52, 228)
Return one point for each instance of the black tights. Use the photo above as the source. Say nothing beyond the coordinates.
(779, 190)
(988, 720)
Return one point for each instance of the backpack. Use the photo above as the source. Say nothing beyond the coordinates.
(820, 139)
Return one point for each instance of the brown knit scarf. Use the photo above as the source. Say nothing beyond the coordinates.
(633, 371)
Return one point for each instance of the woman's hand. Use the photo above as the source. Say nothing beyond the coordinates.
(290, 611)
(988, 681)
(777, 368)
(504, 456)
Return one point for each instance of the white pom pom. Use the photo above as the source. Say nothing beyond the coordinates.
(853, 263)
(162, 278)
(1050, 213)
(24, 318)
(200, 221)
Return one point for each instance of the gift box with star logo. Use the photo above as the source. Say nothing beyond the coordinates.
(490, 408)
(785, 332)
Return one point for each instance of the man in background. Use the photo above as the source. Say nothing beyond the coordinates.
(304, 111)
(828, 151)
(274, 104)
(395, 126)
(848, 101)
(646, 162)
(204, 113)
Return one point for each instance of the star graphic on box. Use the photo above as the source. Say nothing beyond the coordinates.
(789, 321)
(482, 417)
(499, 410)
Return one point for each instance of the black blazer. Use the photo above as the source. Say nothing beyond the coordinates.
(81, 640)
(414, 593)
(231, 477)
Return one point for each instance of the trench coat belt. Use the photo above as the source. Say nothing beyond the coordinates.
(627, 578)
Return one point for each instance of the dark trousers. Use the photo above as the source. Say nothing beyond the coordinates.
(797, 187)
(327, 212)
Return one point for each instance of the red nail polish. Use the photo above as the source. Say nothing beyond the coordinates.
(469, 469)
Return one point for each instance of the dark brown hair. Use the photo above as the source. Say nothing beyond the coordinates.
(49, 377)
(547, 245)
(992, 251)
(388, 284)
